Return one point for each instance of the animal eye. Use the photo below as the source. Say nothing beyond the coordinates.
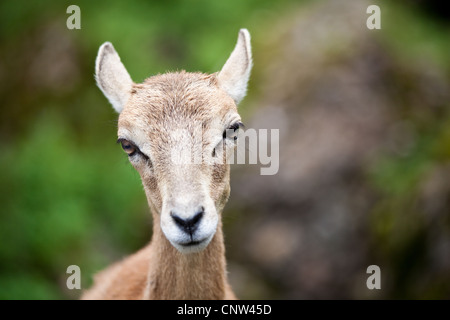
(128, 147)
(131, 149)
(232, 131)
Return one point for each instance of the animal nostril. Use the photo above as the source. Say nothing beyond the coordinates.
(196, 219)
(188, 225)
(180, 222)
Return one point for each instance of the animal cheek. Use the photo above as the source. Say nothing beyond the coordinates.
(151, 183)
(152, 189)
(219, 173)
(220, 189)
(223, 199)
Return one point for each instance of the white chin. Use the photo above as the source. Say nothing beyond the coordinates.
(192, 247)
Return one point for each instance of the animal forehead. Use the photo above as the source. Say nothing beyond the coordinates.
(173, 97)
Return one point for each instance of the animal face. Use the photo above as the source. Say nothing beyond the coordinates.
(179, 130)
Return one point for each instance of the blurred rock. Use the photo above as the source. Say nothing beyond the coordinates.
(332, 90)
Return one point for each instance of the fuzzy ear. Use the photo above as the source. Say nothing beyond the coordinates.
(233, 77)
(112, 77)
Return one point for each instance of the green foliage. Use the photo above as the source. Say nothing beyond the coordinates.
(402, 222)
(425, 38)
(402, 227)
(60, 202)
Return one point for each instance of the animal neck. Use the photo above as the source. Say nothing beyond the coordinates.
(173, 275)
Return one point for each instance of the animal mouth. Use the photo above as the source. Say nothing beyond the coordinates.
(192, 243)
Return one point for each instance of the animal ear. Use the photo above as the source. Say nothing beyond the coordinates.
(112, 77)
(233, 77)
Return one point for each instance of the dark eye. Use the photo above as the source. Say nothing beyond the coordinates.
(128, 147)
(232, 131)
(131, 149)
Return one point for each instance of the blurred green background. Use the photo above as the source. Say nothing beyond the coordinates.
(381, 194)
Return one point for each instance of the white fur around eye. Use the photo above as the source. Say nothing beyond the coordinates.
(231, 134)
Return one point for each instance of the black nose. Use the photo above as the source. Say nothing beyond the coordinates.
(188, 225)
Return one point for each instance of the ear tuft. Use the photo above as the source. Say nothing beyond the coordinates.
(112, 77)
(233, 77)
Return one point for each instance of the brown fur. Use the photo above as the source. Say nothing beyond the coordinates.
(171, 276)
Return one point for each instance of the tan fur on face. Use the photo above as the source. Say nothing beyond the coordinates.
(172, 101)
(165, 114)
